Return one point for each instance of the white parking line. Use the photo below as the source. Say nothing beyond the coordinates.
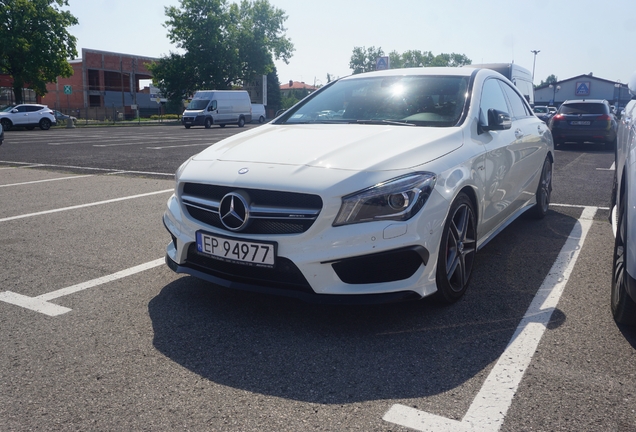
(489, 408)
(84, 205)
(26, 165)
(178, 146)
(41, 303)
(47, 180)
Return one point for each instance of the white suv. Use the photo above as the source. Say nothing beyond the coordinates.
(29, 116)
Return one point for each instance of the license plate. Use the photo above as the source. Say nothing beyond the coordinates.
(580, 123)
(261, 254)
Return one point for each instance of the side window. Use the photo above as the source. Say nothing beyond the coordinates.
(491, 97)
(519, 109)
(33, 108)
(22, 108)
(213, 106)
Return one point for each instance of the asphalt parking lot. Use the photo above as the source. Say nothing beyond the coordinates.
(96, 333)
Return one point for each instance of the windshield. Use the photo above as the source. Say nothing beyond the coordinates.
(198, 104)
(409, 100)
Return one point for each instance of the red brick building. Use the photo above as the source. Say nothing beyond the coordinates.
(100, 79)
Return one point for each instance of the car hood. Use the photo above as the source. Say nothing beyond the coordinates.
(346, 147)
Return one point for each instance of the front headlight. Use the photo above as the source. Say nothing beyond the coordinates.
(397, 199)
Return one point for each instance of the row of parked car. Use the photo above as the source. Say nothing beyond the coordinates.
(579, 121)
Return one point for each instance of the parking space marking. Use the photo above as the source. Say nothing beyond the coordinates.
(85, 205)
(42, 305)
(489, 408)
(47, 180)
(178, 146)
(108, 170)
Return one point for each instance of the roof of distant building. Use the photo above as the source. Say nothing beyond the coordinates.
(297, 85)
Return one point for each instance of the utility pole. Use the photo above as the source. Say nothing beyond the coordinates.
(535, 52)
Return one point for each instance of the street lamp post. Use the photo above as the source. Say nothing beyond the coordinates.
(555, 90)
(617, 86)
(535, 52)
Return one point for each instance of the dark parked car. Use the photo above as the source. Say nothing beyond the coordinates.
(584, 121)
(623, 217)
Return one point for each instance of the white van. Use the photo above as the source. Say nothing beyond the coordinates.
(520, 77)
(220, 107)
(258, 113)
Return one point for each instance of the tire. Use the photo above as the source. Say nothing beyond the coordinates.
(208, 123)
(622, 305)
(186, 126)
(6, 124)
(457, 250)
(222, 125)
(45, 124)
(261, 119)
(544, 191)
(241, 122)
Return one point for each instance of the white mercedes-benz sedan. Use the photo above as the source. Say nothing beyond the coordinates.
(378, 187)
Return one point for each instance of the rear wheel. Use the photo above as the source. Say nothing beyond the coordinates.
(241, 122)
(45, 124)
(623, 307)
(457, 251)
(6, 124)
(261, 119)
(544, 191)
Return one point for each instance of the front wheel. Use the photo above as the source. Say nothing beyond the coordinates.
(45, 124)
(208, 123)
(457, 251)
(623, 307)
(6, 124)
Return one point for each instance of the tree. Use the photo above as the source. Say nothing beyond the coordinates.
(551, 79)
(363, 60)
(273, 91)
(34, 43)
(224, 43)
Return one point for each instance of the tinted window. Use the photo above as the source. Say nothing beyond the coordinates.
(519, 109)
(21, 108)
(418, 100)
(32, 108)
(491, 97)
(584, 108)
(542, 110)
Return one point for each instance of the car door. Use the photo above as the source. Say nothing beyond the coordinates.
(527, 150)
(497, 195)
(19, 115)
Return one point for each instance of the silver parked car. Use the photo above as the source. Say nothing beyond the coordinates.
(623, 217)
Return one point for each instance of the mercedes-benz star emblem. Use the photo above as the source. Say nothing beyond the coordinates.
(234, 211)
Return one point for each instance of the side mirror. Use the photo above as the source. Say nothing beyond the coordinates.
(14, 110)
(497, 120)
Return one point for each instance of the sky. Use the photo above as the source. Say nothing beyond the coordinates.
(573, 37)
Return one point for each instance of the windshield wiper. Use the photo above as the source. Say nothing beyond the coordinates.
(383, 122)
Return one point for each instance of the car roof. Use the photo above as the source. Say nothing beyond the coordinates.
(569, 101)
(421, 71)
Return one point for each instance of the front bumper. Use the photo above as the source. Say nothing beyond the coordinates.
(361, 263)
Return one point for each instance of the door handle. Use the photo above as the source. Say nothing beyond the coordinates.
(519, 133)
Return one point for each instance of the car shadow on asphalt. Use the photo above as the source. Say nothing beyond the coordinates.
(344, 354)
